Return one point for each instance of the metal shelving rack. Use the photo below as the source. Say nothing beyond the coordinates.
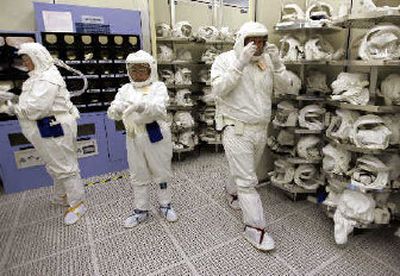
(304, 28)
(196, 85)
(366, 21)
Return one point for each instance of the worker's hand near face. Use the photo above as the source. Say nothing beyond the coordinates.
(245, 56)
(273, 53)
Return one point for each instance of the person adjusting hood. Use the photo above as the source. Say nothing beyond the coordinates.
(251, 32)
(48, 120)
(242, 81)
(142, 106)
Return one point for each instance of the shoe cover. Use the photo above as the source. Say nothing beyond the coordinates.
(168, 213)
(74, 214)
(137, 217)
(255, 238)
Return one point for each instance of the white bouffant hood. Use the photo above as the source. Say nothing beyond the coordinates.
(248, 29)
(142, 57)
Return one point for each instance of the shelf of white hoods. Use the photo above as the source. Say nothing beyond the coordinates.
(366, 108)
(357, 63)
(320, 27)
(369, 19)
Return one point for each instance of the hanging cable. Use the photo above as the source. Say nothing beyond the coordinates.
(74, 93)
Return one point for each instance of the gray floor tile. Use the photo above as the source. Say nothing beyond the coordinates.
(10, 198)
(30, 194)
(7, 215)
(136, 252)
(39, 208)
(213, 183)
(302, 244)
(389, 253)
(273, 212)
(356, 264)
(187, 197)
(203, 228)
(4, 237)
(208, 232)
(108, 219)
(239, 258)
(72, 262)
(180, 270)
(110, 191)
(270, 194)
(45, 238)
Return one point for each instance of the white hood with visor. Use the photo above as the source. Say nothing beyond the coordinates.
(140, 57)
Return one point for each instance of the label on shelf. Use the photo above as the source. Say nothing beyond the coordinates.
(109, 90)
(107, 76)
(121, 75)
(92, 76)
(72, 62)
(105, 61)
(89, 61)
(96, 90)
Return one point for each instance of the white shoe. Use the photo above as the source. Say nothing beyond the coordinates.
(168, 213)
(233, 201)
(137, 217)
(73, 214)
(259, 238)
(59, 200)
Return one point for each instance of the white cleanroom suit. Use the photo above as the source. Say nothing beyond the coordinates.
(45, 96)
(243, 85)
(139, 104)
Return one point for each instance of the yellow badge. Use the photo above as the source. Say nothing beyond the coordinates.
(262, 65)
(146, 90)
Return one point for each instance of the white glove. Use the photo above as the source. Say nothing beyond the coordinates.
(120, 107)
(246, 55)
(7, 108)
(134, 107)
(6, 96)
(116, 109)
(273, 53)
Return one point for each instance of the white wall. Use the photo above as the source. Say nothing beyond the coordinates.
(18, 15)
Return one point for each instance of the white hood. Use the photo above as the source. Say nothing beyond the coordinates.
(248, 29)
(43, 62)
(39, 55)
(142, 57)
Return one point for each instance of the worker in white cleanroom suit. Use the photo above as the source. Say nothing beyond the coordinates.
(243, 80)
(141, 104)
(48, 120)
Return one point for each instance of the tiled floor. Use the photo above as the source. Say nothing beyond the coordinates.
(206, 240)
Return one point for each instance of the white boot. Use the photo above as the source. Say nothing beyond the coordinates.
(233, 201)
(73, 214)
(137, 217)
(59, 200)
(168, 213)
(259, 238)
